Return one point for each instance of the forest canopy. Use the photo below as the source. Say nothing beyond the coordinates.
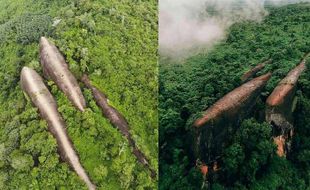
(115, 43)
(249, 159)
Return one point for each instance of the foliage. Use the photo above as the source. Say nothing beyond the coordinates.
(248, 160)
(115, 43)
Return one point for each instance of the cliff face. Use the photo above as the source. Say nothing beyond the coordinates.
(55, 67)
(208, 136)
(33, 85)
(279, 107)
(280, 102)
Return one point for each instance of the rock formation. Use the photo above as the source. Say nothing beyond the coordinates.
(55, 67)
(118, 121)
(33, 85)
(209, 131)
(251, 73)
(279, 107)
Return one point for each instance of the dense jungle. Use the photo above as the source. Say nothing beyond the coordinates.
(249, 159)
(115, 44)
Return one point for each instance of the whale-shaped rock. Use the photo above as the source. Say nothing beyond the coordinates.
(55, 67)
(33, 85)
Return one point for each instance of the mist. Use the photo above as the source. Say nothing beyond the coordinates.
(187, 27)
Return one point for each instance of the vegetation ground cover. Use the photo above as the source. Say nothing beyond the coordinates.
(189, 86)
(115, 43)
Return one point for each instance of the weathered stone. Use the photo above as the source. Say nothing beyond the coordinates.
(55, 67)
(33, 85)
(210, 131)
(280, 102)
(280, 142)
(280, 107)
(118, 121)
(251, 73)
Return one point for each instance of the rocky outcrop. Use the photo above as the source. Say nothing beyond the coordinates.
(252, 72)
(280, 142)
(279, 107)
(33, 85)
(55, 67)
(279, 103)
(118, 121)
(209, 131)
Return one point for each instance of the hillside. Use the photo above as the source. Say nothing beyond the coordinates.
(248, 159)
(115, 43)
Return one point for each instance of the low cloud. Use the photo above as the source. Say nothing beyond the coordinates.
(190, 26)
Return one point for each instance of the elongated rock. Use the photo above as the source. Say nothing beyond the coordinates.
(279, 108)
(56, 68)
(209, 131)
(233, 102)
(280, 101)
(118, 121)
(251, 73)
(40, 96)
